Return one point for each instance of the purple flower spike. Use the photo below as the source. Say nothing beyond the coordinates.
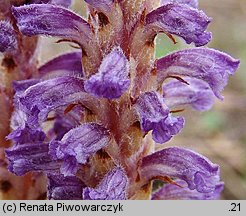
(112, 80)
(112, 187)
(173, 192)
(196, 170)
(198, 94)
(64, 3)
(101, 5)
(8, 41)
(192, 3)
(64, 188)
(182, 20)
(83, 112)
(154, 115)
(79, 143)
(46, 19)
(65, 64)
(210, 65)
(30, 157)
(38, 100)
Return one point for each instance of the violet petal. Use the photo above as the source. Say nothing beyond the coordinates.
(21, 132)
(46, 19)
(64, 188)
(112, 80)
(174, 192)
(65, 121)
(198, 94)
(63, 124)
(151, 110)
(101, 5)
(154, 115)
(64, 3)
(69, 166)
(22, 85)
(65, 64)
(112, 187)
(167, 128)
(30, 157)
(26, 134)
(80, 143)
(184, 164)
(192, 3)
(210, 65)
(8, 41)
(38, 100)
(181, 20)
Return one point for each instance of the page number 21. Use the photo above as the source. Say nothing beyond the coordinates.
(235, 207)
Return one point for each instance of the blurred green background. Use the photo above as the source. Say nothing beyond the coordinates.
(219, 133)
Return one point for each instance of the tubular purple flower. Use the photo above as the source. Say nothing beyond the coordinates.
(38, 100)
(112, 80)
(46, 19)
(112, 187)
(181, 20)
(182, 192)
(65, 64)
(154, 115)
(151, 110)
(78, 145)
(30, 157)
(196, 170)
(210, 65)
(64, 188)
(196, 93)
(164, 131)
